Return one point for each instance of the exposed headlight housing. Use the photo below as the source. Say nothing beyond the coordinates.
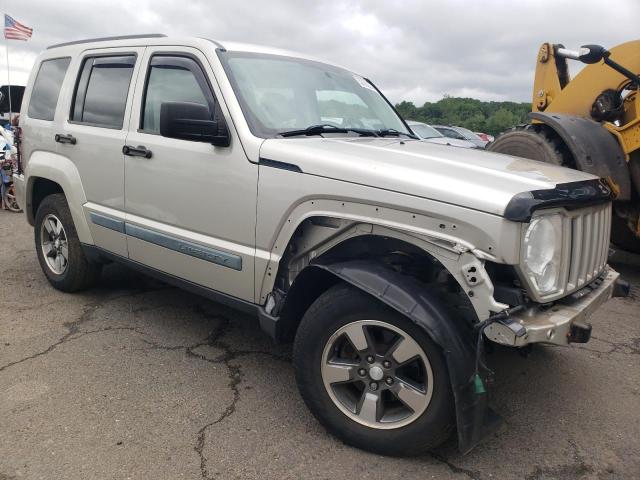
(542, 256)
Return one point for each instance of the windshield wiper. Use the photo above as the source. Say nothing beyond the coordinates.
(327, 128)
(394, 133)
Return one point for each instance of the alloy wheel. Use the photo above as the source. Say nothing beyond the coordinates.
(377, 374)
(54, 243)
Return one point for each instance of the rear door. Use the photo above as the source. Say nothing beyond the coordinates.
(94, 133)
(191, 206)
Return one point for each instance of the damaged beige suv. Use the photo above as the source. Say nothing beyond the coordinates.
(303, 198)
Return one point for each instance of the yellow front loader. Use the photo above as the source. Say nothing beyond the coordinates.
(591, 123)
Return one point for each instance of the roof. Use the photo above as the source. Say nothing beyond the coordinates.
(106, 39)
(160, 39)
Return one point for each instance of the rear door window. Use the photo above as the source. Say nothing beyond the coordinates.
(46, 88)
(102, 89)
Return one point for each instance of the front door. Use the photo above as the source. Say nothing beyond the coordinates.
(190, 206)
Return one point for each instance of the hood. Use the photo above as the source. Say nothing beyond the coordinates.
(470, 178)
(454, 142)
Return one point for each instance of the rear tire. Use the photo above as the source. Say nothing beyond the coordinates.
(58, 248)
(399, 425)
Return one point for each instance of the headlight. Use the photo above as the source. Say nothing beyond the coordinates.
(542, 252)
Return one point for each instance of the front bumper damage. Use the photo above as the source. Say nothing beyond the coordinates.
(474, 419)
(559, 323)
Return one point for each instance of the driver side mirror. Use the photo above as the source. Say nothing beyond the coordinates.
(192, 121)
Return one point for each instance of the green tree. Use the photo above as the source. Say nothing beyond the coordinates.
(407, 109)
(476, 115)
(500, 121)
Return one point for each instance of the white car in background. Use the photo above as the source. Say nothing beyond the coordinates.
(430, 134)
(461, 133)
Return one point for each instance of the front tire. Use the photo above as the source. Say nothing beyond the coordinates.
(58, 248)
(371, 376)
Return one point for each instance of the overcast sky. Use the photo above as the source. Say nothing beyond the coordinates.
(413, 50)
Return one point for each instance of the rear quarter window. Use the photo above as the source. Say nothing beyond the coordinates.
(46, 88)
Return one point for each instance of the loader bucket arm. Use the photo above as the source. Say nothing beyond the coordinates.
(576, 96)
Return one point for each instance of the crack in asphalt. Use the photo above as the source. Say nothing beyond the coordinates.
(473, 474)
(578, 468)
(235, 376)
(73, 328)
(623, 348)
(66, 338)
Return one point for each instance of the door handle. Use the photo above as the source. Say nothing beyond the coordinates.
(61, 138)
(138, 151)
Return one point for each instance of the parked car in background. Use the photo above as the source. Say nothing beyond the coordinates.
(460, 133)
(485, 136)
(430, 134)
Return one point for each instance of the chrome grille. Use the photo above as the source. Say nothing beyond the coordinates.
(590, 231)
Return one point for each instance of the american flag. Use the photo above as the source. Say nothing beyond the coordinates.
(15, 30)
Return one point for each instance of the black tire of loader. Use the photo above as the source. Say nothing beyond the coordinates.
(624, 237)
(528, 142)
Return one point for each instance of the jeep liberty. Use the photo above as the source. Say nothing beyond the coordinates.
(307, 201)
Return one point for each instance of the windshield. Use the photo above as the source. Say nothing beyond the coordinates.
(279, 94)
(425, 131)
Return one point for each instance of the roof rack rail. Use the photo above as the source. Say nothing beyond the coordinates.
(106, 39)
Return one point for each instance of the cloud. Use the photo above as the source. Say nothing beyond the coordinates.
(412, 49)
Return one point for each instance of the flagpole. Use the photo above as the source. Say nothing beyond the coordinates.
(6, 41)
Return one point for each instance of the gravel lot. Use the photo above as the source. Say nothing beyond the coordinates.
(136, 379)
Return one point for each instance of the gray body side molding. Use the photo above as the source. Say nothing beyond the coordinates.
(594, 149)
(458, 341)
(184, 246)
(196, 250)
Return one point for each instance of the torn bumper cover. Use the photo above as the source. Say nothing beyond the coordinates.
(562, 322)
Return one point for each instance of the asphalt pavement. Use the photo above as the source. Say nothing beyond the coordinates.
(137, 379)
